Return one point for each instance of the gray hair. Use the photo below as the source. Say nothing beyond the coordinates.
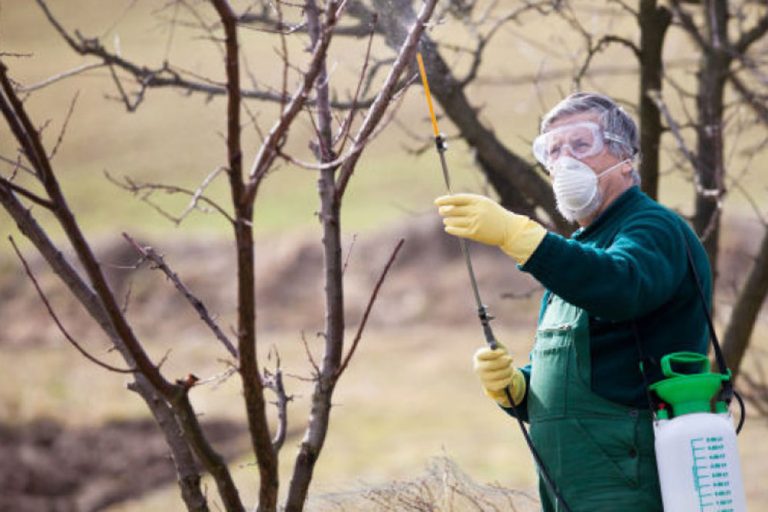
(612, 119)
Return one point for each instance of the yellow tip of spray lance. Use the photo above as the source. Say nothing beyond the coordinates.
(424, 82)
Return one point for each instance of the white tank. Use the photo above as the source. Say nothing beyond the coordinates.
(698, 463)
(696, 452)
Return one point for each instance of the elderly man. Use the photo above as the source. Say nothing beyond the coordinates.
(618, 291)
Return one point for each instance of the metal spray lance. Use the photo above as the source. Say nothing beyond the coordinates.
(482, 312)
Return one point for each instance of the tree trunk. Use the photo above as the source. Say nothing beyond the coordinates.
(654, 21)
(713, 72)
(333, 335)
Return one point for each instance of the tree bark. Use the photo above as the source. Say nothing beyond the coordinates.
(654, 20)
(713, 72)
(253, 386)
(333, 334)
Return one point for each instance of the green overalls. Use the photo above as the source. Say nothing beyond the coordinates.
(586, 402)
(599, 453)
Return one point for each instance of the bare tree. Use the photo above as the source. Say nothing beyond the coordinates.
(727, 64)
(168, 399)
(727, 59)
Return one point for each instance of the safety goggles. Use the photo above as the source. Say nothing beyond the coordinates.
(581, 140)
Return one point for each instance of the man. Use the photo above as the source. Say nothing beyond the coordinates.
(619, 290)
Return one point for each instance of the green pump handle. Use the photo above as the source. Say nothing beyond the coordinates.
(687, 358)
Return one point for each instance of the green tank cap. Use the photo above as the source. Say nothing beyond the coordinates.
(687, 393)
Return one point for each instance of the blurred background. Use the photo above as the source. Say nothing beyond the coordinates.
(409, 407)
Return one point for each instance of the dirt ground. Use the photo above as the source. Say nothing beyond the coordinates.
(47, 467)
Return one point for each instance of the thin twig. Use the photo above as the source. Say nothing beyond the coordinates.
(26, 193)
(61, 76)
(675, 129)
(349, 254)
(196, 195)
(17, 165)
(347, 123)
(269, 150)
(405, 57)
(58, 322)
(368, 308)
(152, 255)
(64, 126)
(310, 357)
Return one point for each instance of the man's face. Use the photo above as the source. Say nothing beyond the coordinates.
(571, 136)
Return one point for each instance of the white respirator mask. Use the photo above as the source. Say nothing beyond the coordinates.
(576, 187)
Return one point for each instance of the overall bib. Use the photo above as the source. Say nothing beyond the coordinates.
(599, 453)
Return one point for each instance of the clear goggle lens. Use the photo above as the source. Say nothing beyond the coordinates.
(579, 140)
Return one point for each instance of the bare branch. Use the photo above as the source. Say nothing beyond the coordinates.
(756, 103)
(17, 165)
(276, 137)
(484, 40)
(674, 128)
(349, 254)
(61, 76)
(347, 124)
(164, 76)
(150, 254)
(686, 20)
(189, 478)
(197, 195)
(56, 318)
(64, 126)
(601, 44)
(130, 106)
(26, 193)
(28, 137)
(404, 60)
(751, 36)
(310, 357)
(368, 308)
(242, 200)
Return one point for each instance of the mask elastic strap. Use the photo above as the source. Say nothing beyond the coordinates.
(612, 168)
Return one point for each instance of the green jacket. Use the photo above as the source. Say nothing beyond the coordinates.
(629, 265)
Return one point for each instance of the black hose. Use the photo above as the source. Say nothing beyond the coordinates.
(540, 463)
(743, 409)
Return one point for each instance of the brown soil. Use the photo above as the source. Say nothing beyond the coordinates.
(45, 467)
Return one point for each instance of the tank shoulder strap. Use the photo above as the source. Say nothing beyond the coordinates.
(727, 391)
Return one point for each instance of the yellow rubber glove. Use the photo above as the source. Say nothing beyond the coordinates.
(484, 220)
(497, 372)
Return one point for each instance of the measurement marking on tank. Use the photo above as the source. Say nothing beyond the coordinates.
(710, 474)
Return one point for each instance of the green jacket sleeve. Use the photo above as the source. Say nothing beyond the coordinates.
(628, 276)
